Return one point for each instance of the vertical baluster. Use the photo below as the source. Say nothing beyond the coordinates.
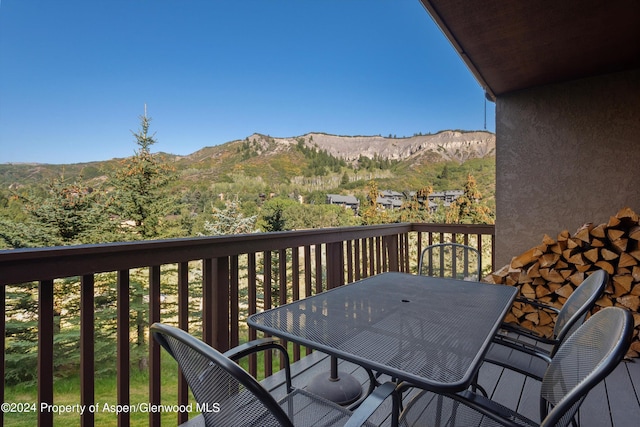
(335, 265)
(318, 260)
(365, 258)
(493, 251)
(183, 323)
(419, 247)
(282, 292)
(268, 359)
(123, 357)
(307, 280)
(234, 302)
(295, 283)
(407, 255)
(390, 252)
(208, 300)
(308, 289)
(253, 303)
(154, 348)
(221, 315)
(356, 259)
(349, 245)
(87, 361)
(380, 258)
(372, 256)
(45, 350)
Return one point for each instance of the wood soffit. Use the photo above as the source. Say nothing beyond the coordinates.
(512, 45)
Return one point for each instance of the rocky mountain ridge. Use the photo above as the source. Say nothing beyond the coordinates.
(448, 145)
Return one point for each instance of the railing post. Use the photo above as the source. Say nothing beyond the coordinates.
(154, 348)
(390, 244)
(45, 351)
(335, 265)
(123, 354)
(183, 323)
(208, 300)
(87, 336)
(221, 303)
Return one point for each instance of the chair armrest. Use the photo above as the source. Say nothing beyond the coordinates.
(373, 402)
(491, 409)
(262, 344)
(254, 346)
(517, 329)
(537, 304)
(523, 347)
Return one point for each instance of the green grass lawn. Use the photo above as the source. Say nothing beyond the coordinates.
(67, 392)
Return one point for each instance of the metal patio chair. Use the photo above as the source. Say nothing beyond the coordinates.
(581, 362)
(521, 350)
(452, 260)
(237, 399)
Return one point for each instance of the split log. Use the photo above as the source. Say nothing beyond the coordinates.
(550, 271)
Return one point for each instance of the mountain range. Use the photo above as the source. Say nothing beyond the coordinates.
(282, 160)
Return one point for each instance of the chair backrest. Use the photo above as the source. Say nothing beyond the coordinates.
(233, 396)
(582, 361)
(579, 303)
(452, 260)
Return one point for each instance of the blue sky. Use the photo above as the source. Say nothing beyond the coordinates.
(75, 74)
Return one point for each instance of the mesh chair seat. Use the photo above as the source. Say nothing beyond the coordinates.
(523, 351)
(235, 398)
(306, 409)
(581, 362)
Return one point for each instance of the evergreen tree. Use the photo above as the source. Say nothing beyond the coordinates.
(273, 216)
(373, 214)
(417, 209)
(468, 209)
(71, 213)
(62, 213)
(138, 198)
(230, 220)
(345, 179)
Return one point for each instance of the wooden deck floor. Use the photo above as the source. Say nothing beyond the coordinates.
(613, 403)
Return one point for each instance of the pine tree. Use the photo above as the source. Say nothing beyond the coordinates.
(230, 220)
(372, 214)
(468, 209)
(138, 183)
(71, 213)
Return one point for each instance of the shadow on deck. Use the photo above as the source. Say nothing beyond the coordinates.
(615, 402)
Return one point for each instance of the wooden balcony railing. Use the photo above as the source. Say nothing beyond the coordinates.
(204, 285)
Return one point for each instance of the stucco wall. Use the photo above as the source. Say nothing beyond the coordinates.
(565, 155)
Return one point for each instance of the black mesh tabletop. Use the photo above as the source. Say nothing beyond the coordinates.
(430, 331)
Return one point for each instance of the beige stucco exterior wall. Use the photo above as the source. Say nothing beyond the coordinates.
(565, 154)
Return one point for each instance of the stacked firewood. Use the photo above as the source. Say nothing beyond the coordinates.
(551, 271)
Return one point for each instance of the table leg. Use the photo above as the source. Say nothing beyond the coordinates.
(338, 387)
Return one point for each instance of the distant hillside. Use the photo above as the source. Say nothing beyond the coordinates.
(315, 161)
(447, 145)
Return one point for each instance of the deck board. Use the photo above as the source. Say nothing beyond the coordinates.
(621, 393)
(613, 403)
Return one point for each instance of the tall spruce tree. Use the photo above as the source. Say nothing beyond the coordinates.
(138, 185)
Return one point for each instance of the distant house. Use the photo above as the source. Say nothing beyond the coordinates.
(393, 195)
(389, 203)
(446, 197)
(345, 201)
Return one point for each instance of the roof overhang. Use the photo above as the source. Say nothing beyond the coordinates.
(512, 45)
